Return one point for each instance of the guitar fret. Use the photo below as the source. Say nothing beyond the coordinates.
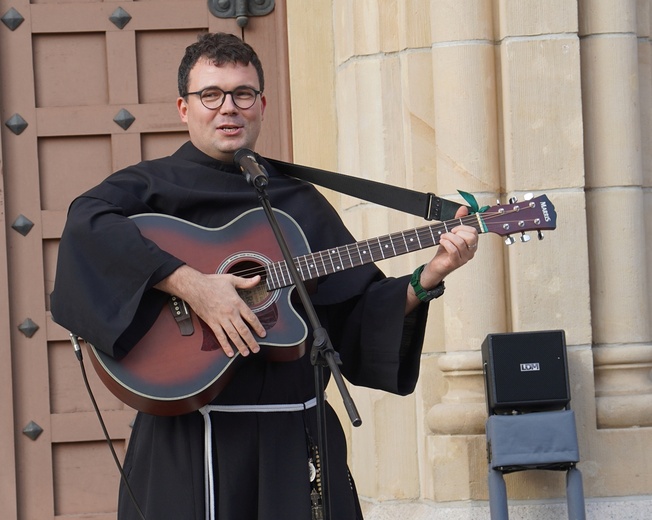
(347, 262)
(276, 274)
(380, 248)
(323, 265)
(418, 245)
(309, 259)
(383, 247)
(391, 242)
(276, 278)
(348, 252)
(340, 265)
(269, 278)
(300, 269)
(365, 251)
(345, 258)
(315, 264)
(432, 234)
(286, 274)
(360, 258)
(388, 242)
(405, 243)
(325, 261)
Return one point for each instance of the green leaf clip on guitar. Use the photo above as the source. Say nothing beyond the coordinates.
(178, 367)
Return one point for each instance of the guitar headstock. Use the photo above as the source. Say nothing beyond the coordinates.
(532, 214)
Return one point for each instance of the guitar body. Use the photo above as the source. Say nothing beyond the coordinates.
(168, 373)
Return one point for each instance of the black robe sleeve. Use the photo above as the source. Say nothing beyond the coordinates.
(105, 271)
(379, 346)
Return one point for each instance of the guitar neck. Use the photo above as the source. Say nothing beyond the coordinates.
(516, 217)
(322, 263)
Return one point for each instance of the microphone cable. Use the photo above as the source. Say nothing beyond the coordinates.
(74, 339)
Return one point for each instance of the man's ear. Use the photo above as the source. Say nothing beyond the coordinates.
(182, 108)
(263, 104)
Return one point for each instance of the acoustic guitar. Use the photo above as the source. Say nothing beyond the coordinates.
(178, 366)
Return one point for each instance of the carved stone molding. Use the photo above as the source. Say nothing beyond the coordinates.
(623, 385)
(463, 409)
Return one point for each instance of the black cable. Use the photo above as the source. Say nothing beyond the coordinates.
(78, 352)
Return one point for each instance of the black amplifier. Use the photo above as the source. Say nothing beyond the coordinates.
(525, 371)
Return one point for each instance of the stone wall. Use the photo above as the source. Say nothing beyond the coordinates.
(497, 98)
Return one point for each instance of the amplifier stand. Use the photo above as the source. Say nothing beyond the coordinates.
(538, 440)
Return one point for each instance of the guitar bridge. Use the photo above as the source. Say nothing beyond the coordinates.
(181, 313)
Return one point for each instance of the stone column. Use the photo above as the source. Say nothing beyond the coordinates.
(513, 82)
(384, 113)
(467, 158)
(616, 211)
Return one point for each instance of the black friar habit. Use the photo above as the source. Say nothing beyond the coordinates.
(104, 292)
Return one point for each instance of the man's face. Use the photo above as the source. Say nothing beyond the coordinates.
(220, 133)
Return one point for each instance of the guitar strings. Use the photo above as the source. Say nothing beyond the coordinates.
(428, 234)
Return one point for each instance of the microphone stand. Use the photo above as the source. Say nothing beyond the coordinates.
(322, 353)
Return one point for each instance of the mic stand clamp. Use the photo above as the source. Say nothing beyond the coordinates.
(322, 353)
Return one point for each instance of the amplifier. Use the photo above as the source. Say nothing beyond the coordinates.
(525, 371)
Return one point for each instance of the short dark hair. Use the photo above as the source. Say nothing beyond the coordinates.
(218, 48)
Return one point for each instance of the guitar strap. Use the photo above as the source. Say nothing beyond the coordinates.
(425, 205)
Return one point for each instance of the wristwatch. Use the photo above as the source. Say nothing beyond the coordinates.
(424, 295)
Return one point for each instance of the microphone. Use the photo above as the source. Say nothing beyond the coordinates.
(255, 173)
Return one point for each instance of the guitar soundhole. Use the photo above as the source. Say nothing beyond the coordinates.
(258, 298)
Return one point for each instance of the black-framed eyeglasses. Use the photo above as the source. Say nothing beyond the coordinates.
(214, 97)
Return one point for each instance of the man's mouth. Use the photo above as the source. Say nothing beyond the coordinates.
(227, 129)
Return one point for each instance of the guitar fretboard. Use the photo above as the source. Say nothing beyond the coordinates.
(364, 252)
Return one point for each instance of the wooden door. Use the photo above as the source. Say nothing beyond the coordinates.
(86, 87)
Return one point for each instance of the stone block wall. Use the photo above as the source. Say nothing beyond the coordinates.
(497, 98)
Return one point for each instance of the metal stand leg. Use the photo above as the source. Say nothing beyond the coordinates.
(575, 495)
(497, 496)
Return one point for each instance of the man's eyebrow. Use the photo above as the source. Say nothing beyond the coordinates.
(234, 88)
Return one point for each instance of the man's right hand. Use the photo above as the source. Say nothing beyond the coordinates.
(214, 298)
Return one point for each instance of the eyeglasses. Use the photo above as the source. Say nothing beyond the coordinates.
(214, 97)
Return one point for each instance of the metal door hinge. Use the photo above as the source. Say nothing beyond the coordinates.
(241, 10)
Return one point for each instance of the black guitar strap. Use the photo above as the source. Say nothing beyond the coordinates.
(425, 205)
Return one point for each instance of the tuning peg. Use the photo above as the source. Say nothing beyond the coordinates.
(513, 200)
(525, 237)
(509, 240)
(540, 234)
